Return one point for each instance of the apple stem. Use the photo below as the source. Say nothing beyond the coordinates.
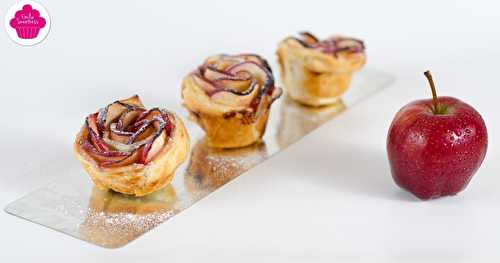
(433, 88)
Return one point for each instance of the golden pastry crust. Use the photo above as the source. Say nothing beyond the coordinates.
(137, 178)
(229, 97)
(315, 77)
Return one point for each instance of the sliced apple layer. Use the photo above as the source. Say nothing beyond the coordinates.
(332, 45)
(124, 132)
(237, 81)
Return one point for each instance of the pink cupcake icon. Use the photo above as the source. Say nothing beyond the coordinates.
(27, 22)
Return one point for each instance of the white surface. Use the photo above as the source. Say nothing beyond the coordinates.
(329, 197)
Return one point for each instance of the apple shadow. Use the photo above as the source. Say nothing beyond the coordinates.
(349, 168)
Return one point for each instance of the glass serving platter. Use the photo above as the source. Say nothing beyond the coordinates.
(72, 205)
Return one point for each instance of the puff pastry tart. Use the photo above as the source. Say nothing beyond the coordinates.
(230, 98)
(131, 150)
(316, 72)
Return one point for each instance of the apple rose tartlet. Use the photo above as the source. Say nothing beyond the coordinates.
(131, 150)
(315, 72)
(230, 98)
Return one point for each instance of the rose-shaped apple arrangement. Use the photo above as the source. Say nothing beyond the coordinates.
(317, 72)
(332, 45)
(230, 97)
(435, 146)
(130, 149)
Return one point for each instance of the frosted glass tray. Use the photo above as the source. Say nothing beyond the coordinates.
(75, 207)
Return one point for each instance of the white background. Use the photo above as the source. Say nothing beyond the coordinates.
(328, 198)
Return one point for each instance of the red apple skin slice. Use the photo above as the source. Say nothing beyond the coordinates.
(114, 110)
(97, 142)
(250, 57)
(135, 126)
(257, 71)
(276, 94)
(148, 115)
(239, 86)
(232, 99)
(109, 114)
(213, 74)
(143, 133)
(147, 129)
(91, 122)
(260, 72)
(134, 101)
(205, 84)
(308, 38)
(128, 117)
(224, 80)
(117, 135)
(169, 122)
(132, 158)
(154, 147)
(103, 156)
(93, 133)
(259, 60)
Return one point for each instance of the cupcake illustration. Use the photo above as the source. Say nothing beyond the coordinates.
(27, 22)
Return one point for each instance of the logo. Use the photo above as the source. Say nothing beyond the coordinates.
(27, 23)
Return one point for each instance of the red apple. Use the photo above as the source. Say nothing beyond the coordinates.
(436, 145)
